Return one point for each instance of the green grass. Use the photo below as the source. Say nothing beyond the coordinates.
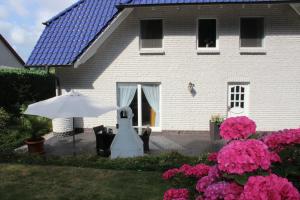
(53, 182)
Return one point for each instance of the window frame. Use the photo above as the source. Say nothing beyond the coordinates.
(207, 49)
(252, 49)
(151, 50)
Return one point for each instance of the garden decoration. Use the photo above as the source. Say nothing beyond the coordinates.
(244, 169)
(127, 142)
(69, 105)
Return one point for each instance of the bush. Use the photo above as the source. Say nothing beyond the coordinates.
(4, 118)
(24, 128)
(19, 86)
(245, 168)
(145, 163)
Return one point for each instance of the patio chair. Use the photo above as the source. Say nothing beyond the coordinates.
(146, 132)
(103, 140)
(99, 130)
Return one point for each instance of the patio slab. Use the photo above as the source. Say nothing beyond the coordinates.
(85, 143)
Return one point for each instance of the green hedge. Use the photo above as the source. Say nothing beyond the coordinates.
(146, 163)
(21, 86)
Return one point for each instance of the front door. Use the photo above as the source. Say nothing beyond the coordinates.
(238, 99)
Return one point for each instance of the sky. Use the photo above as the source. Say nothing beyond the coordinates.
(21, 21)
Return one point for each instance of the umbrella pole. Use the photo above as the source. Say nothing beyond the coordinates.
(74, 146)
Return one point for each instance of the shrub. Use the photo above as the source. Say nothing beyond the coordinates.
(18, 86)
(4, 118)
(145, 163)
(259, 169)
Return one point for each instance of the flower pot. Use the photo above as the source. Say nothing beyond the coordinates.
(35, 146)
(214, 130)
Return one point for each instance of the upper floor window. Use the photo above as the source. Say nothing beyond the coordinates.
(151, 34)
(252, 32)
(207, 33)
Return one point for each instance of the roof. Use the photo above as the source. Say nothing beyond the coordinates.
(68, 34)
(12, 50)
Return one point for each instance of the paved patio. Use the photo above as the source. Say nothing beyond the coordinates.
(187, 144)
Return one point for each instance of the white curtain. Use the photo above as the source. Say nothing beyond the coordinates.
(152, 94)
(126, 94)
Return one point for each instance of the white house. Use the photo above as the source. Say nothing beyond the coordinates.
(8, 56)
(177, 64)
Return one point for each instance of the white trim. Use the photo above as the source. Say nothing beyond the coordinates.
(253, 49)
(139, 92)
(209, 50)
(152, 50)
(296, 7)
(102, 37)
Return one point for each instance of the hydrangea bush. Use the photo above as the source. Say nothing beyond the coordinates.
(244, 169)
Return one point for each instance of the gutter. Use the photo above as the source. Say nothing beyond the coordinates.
(128, 5)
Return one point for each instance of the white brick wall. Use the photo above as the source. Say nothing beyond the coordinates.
(274, 77)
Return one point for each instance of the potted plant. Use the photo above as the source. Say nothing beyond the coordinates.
(36, 126)
(214, 126)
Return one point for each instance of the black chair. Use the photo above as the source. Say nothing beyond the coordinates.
(99, 130)
(103, 140)
(146, 132)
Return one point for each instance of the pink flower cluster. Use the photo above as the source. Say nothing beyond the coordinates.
(239, 157)
(269, 187)
(196, 171)
(212, 157)
(176, 194)
(278, 140)
(211, 178)
(237, 128)
(223, 190)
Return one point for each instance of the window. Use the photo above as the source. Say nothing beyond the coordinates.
(207, 33)
(252, 32)
(151, 34)
(143, 99)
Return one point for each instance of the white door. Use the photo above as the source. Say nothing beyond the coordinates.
(238, 99)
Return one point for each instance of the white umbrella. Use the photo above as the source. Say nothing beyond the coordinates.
(69, 105)
(72, 104)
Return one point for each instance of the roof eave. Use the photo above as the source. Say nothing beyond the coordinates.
(120, 6)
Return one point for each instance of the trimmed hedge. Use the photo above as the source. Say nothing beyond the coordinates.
(21, 86)
(146, 163)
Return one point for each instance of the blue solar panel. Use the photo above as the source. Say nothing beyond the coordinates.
(69, 33)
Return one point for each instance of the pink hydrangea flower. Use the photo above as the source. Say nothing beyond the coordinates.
(170, 173)
(237, 128)
(275, 157)
(269, 187)
(233, 191)
(212, 157)
(239, 157)
(212, 177)
(176, 194)
(197, 171)
(278, 140)
(204, 182)
(215, 191)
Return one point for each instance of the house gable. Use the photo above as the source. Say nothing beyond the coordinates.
(8, 56)
(69, 34)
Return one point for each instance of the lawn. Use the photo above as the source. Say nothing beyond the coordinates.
(53, 182)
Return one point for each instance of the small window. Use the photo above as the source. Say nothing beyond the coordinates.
(151, 33)
(252, 32)
(207, 33)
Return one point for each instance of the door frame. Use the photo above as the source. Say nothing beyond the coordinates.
(246, 85)
(139, 101)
